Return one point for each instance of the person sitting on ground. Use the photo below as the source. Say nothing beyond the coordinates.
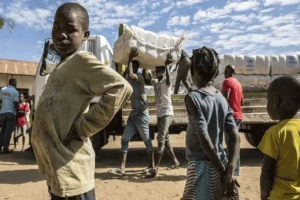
(10, 102)
(183, 68)
(138, 121)
(164, 110)
(63, 126)
(21, 122)
(233, 92)
(209, 168)
(280, 175)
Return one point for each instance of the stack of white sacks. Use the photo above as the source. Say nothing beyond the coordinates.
(255, 72)
(152, 48)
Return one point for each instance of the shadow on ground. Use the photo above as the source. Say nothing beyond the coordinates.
(22, 158)
(20, 176)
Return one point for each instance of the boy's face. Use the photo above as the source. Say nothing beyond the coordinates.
(67, 33)
(272, 105)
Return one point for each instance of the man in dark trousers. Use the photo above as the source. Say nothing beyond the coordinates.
(10, 102)
(233, 92)
(183, 67)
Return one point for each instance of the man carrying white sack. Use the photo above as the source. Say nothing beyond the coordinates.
(183, 67)
(138, 121)
(162, 88)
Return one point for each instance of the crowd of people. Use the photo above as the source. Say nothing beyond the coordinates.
(60, 138)
(15, 117)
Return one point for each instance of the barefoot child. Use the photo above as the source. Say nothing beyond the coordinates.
(61, 132)
(138, 121)
(280, 176)
(164, 109)
(209, 113)
(21, 122)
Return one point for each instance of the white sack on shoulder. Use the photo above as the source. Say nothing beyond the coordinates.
(152, 48)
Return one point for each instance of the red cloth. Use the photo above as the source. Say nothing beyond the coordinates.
(21, 120)
(233, 86)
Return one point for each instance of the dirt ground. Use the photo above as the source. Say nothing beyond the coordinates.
(20, 180)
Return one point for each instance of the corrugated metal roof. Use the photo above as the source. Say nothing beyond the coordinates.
(18, 67)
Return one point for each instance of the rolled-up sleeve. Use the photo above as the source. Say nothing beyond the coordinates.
(100, 80)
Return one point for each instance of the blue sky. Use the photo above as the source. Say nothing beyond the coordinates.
(238, 27)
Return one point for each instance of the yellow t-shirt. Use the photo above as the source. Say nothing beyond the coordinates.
(282, 142)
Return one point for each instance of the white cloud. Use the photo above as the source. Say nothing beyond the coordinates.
(189, 2)
(266, 10)
(242, 6)
(281, 2)
(217, 13)
(179, 21)
(166, 9)
(147, 21)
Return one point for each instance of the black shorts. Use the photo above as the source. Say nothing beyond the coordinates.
(86, 196)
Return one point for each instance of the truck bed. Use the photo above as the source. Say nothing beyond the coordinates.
(254, 110)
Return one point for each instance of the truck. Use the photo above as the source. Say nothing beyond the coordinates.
(255, 122)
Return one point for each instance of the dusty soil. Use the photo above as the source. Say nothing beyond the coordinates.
(19, 177)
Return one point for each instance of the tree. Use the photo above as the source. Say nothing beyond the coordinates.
(9, 22)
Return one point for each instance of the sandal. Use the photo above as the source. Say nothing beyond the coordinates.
(174, 166)
(117, 171)
(151, 173)
(146, 171)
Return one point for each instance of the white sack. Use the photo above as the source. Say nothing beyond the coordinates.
(249, 64)
(285, 64)
(152, 48)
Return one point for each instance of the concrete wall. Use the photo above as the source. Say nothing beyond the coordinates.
(24, 82)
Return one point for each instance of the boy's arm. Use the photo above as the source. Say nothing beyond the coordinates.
(132, 75)
(147, 77)
(97, 79)
(133, 53)
(200, 124)
(234, 140)
(267, 176)
(269, 146)
(168, 61)
(168, 76)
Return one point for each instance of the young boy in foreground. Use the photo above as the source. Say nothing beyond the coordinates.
(61, 132)
(280, 176)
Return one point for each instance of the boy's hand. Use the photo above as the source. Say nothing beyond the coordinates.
(229, 181)
(133, 52)
(72, 135)
(169, 59)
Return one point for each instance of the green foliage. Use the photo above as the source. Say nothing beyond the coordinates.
(9, 22)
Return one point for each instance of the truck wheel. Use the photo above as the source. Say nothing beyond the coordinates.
(254, 138)
(99, 140)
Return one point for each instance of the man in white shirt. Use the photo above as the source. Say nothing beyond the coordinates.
(162, 88)
(10, 102)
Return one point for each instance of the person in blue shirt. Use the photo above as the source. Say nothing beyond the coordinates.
(10, 102)
(210, 171)
(138, 121)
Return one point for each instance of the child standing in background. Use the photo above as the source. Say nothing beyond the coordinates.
(280, 175)
(210, 172)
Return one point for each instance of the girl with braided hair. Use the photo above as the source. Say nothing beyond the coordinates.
(210, 172)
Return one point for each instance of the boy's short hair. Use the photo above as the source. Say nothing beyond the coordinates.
(288, 87)
(81, 12)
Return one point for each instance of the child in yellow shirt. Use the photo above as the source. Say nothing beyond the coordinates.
(280, 176)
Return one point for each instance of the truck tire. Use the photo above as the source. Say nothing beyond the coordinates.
(99, 140)
(254, 137)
